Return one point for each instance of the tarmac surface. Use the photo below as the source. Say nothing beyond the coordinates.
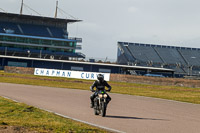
(125, 113)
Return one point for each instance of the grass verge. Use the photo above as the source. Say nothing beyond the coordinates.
(34, 119)
(17, 114)
(184, 94)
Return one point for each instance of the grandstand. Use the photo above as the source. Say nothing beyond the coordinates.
(185, 61)
(38, 37)
(44, 42)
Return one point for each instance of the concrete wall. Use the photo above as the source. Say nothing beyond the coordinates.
(126, 78)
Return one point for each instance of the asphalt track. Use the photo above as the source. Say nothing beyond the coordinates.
(131, 114)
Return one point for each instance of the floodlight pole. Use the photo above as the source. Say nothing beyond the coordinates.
(21, 10)
(56, 13)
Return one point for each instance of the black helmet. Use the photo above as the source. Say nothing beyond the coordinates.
(100, 77)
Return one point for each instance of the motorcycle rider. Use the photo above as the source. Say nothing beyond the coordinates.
(100, 84)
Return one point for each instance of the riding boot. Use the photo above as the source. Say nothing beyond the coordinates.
(92, 104)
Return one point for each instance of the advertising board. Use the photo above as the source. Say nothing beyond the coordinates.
(70, 74)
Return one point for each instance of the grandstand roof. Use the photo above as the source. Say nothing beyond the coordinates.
(156, 45)
(27, 18)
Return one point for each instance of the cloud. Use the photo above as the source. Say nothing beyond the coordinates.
(132, 9)
(11, 1)
(106, 22)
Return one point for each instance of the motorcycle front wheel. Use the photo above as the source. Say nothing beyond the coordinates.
(103, 114)
(96, 112)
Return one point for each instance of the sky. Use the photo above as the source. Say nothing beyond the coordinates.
(105, 22)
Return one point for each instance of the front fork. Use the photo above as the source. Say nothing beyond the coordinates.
(103, 101)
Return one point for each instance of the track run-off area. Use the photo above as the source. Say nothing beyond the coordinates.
(125, 113)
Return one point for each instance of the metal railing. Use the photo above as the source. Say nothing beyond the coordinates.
(75, 38)
(38, 53)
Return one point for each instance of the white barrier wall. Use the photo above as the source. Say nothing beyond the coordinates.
(70, 74)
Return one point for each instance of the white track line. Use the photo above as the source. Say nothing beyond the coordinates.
(68, 117)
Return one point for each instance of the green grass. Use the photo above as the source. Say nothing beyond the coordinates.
(18, 114)
(21, 115)
(184, 94)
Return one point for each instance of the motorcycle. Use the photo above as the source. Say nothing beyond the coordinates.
(100, 103)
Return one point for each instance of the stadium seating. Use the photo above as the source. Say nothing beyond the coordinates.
(127, 55)
(11, 26)
(32, 30)
(57, 32)
(38, 37)
(191, 56)
(181, 59)
(35, 30)
(145, 54)
(170, 56)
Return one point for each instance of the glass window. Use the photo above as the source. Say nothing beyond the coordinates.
(76, 68)
(34, 41)
(103, 70)
(17, 64)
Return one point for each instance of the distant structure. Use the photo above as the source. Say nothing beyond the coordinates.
(39, 37)
(183, 60)
(44, 42)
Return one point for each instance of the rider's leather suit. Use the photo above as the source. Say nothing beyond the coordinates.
(99, 86)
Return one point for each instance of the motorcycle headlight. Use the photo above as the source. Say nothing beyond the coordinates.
(100, 95)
